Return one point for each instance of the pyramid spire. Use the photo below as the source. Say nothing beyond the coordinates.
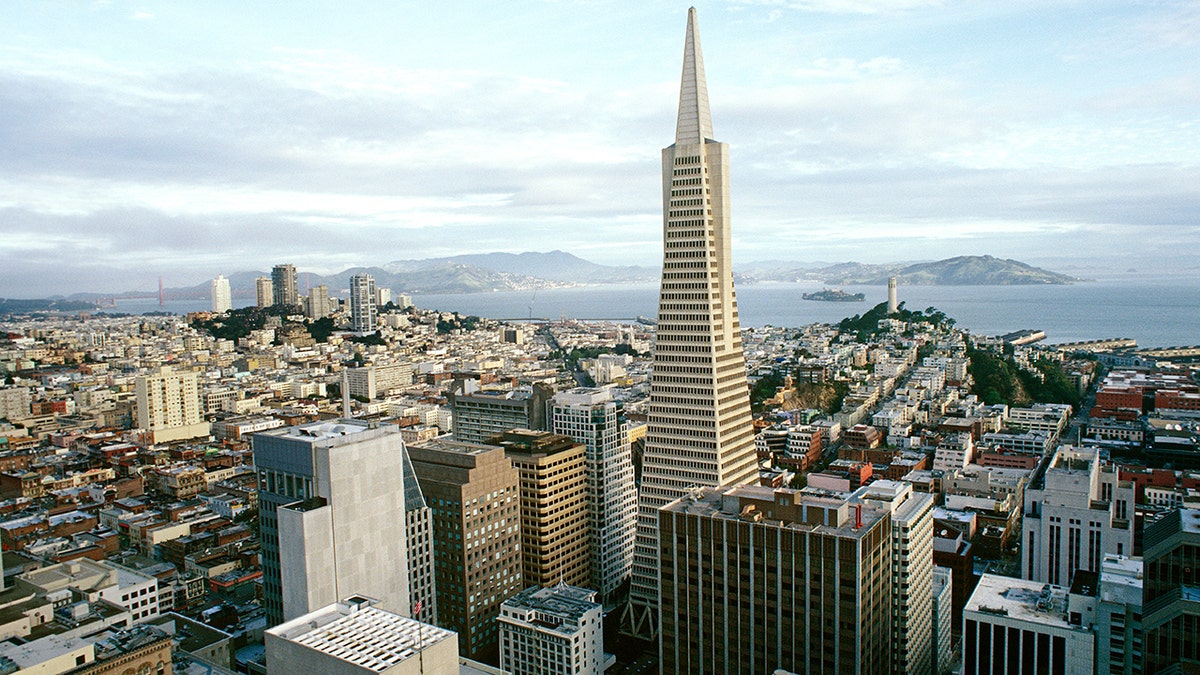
(695, 121)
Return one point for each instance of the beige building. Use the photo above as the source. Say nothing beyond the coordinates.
(555, 537)
(168, 405)
(699, 430)
(264, 292)
(474, 492)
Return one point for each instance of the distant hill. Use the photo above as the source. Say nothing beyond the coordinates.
(961, 271)
(553, 266)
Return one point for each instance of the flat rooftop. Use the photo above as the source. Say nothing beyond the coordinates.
(1021, 600)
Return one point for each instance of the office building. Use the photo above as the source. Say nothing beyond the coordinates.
(1120, 643)
(699, 429)
(354, 636)
(1076, 510)
(555, 537)
(589, 416)
(222, 298)
(485, 414)
(1171, 618)
(362, 303)
(552, 631)
(331, 497)
(941, 643)
(318, 302)
(372, 382)
(284, 289)
(474, 492)
(1013, 626)
(168, 405)
(418, 531)
(264, 292)
(912, 570)
(756, 579)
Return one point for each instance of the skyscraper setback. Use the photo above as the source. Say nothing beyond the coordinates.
(700, 431)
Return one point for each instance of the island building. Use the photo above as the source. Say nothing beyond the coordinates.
(1077, 509)
(284, 286)
(264, 292)
(362, 303)
(555, 537)
(169, 407)
(557, 630)
(699, 430)
(474, 493)
(1021, 626)
(331, 500)
(589, 416)
(756, 579)
(222, 298)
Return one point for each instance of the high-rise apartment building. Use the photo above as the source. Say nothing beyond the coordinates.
(555, 537)
(318, 302)
(331, 497)
(264, 292)
(756, 579)
(699, 430)
(474, 492)
(552, 631)
(362, 303)
(1076, 510)
(168, 405)
(483, 415)
(222, 297)
(590, 417)
(284, 284)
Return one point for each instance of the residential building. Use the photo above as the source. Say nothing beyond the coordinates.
(1076, 510)
(284, 290)
(555, 537)
(474, 492)
(699, 430)
(318, 302)
(264, 292)
(168, 405)
(756, 579)
(222, 298)
(1013, 626)
(362, 303)
(589, 416)
(552, 631)
(372, 382)
(331, 495)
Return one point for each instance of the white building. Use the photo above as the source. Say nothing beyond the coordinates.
(941, 644)
(168, 405)
(552, 631)
(362, 303)
(1076, 511)
(589, 416)
(912, 569)
(372, 382)
(1013, 626)
(222, 298)
(353, 637)
(1119, 635)
(136, 592)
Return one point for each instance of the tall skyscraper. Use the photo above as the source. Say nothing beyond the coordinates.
(284, 285)
(1171, 618)
(362, 303)
(331, 495)
(264, 292)
(168, 405)
(590, 417)
(222, 299)
(699, 432)
(474, 492)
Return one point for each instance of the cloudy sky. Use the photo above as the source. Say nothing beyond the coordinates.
(186, 139)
